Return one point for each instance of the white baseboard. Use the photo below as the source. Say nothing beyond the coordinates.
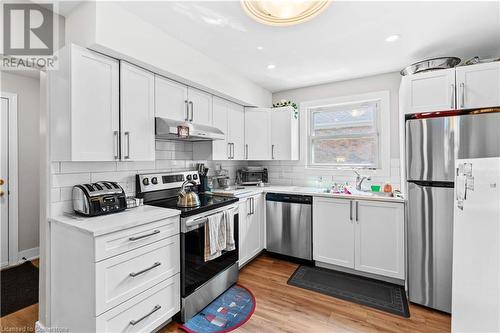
(29, 254)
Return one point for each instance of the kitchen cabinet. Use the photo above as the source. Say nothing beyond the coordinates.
(251, 227)
(200, 106)
(478, 86)
(429, 91)
(257, 134)
(284, 134)
(137, 89)
(84, 103)
(362, 235)
(171, 99)
(229, 118)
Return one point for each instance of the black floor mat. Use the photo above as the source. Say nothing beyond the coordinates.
(19, 288)
(380, 295)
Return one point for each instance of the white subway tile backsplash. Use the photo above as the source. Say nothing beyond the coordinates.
(164, 155)
(55, 195)
(73, 167)
(117, 176)
(66, 193)
(128, 166)
(182, 155)
(55, 167)
(69, 179)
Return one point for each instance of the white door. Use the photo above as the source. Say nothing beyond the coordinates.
(243, 217)
(333, 231)
(478, 86)
(255, 232)
(4, 173)
(94, 106)
(430, 91)
(281, 134)
(137, 113)
(221, 149)
(200, 107)
(257, 136)
(171, 99)
(476, 247)
(379, 238)
(236, 130)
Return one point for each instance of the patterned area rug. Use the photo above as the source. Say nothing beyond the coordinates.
(226, 313)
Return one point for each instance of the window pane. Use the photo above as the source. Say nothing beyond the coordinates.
(345, 151)
(349, 119)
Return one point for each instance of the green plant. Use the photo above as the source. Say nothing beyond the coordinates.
(283, 103)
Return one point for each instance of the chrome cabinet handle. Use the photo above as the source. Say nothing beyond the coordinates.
(462, 88)
(192, 110)
(127, 135)
(116, 146)
(232, 153)
(350, 210)
(249, 206)
(357, 216)
(134, 238)
(272, 152)
(134, 274)
(156, 308)
(453, 96)
(253, 206)
(229, 152)
(246, 151)
(187, 110)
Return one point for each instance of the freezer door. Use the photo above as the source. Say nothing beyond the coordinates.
(479, 135)
(430, 243)
(431, 148)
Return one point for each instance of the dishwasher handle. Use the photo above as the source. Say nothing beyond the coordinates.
(291, 198)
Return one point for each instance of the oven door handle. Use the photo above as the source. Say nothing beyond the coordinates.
(196, 223)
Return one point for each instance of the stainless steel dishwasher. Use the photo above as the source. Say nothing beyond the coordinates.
(289, 225)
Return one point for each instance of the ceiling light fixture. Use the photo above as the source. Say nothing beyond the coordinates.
(283, 12)
(392, 38)
(260, 48)
(271, 66)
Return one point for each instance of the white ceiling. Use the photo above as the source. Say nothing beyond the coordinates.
(346, 41)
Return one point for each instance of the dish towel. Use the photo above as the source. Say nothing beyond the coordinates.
(230, 243)
(213, 236)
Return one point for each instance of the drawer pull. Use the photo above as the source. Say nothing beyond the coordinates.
(134, 274)
(156, 308)
(144, 236)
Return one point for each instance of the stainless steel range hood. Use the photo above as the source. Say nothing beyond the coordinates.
(166, 129)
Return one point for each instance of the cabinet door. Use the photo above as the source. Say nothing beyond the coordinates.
(255, 232)
(220, 148)
(257, 136)
(243, 217)
(137, 113)
(200, 107)
(431, 91)
(380, 238)
(171, 99)
(478, 86)
(281, 134)
(333, 231)
(94, 106)
(236, 130)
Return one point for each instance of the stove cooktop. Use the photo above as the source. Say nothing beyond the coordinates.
(208, 202)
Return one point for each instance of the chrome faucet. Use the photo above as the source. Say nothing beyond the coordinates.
(360, 179)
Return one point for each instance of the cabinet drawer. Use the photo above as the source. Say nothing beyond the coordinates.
(122, 241)
(147, 311)
(122, 277)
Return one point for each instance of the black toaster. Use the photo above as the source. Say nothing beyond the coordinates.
(98, 198)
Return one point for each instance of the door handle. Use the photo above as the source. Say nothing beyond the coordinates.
(357, 215)
(350, 210)
(134, 274)
(127, 136)
(246, 151)
(116, 146)
(452, 96)
(192, 110)
(272, 152)
(2, 193)
(187, 110)
(462, 88)
(2, 181)
(135, 322)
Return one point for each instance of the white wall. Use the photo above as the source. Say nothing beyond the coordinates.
(109, 28)
(296, 173)
(28, 103)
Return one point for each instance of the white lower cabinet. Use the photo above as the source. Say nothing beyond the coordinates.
(251, 227)
(363, 235)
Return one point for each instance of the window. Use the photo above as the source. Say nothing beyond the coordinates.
(345, 135)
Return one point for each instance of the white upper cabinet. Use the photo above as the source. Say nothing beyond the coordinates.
(137, 107)
(229, 118)
(478, 86)
(221, 149)
(257, 134)
(429, 91)
(84, 102)
(171, 99)
(284, 134)
(200, 107)
(236, 131)
(380, 238)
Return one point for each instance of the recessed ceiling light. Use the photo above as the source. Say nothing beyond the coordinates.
(392, 38)
(260, 48)
(283, 13)
(271, 66)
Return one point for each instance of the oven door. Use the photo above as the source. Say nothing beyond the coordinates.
(195, 272)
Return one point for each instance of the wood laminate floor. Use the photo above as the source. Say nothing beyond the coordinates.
(284, 308)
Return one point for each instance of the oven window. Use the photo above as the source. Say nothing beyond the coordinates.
(194, 270)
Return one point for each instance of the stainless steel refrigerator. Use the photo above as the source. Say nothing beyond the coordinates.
(432, 145)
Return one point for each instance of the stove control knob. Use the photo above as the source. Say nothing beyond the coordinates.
(188, 177)
(154, 180)
(195, 176)
(145, 181)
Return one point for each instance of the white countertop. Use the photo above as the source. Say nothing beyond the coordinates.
(312, 191)
(105, 224)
